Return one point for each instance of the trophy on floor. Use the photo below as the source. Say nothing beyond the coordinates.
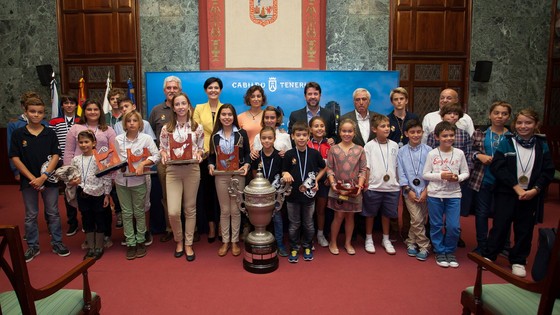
(261, 201)
(107, 160)
(227, 163)
(131, 158)
(180, 152)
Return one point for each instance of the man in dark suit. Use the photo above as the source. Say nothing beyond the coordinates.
(312, 93)
(361, 116)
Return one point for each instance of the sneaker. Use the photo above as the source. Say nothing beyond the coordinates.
(411, 250)
(141, 250)
(370, 248)
(30, 253)
(388, 247)
(84, 245)
(72, 230)
(107, 242)
(441, 260)
(308, 254)
(90, 254)
(293, 258)
(322, 240)
(149, 239)
(60, 250)
(123, 242)
(422, 254)
(25, 237)
(505, 252)
(518, 270)
(130, 252)
(282, 252)
(452, 260)
(119, 223)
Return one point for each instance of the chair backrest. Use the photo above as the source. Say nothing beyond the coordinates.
(553, 139)
(16, 268)
(551, 284)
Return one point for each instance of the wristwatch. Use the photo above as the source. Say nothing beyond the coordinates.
(47, 173)
(538, 189)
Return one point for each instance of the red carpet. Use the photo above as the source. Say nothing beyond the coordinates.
(360, 284)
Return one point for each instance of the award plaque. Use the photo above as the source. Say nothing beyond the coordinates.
(180, 152)
(347, 188)
(227, 164)
(107, 160)
(131, 158)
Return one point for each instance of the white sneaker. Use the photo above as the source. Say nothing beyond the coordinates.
(388, 247)
(322, 240)
(518, 270)
(369, 246)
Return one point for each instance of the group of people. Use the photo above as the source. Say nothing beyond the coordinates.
(359, 166)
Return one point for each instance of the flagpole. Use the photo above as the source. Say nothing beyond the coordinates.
(106, 105)
(54, 97)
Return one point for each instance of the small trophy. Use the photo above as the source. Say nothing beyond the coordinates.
(131, 158)
(346, 192)
(227, 164)
(111, 159)
(180, 152)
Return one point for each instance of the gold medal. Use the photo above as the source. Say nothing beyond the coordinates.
(302, 188)
(386, 178)
(523, 179)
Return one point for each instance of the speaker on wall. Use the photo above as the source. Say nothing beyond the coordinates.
(45, 74)
(482, 71)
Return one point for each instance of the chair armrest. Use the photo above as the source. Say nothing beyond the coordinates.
(504, 274)
(62, 281)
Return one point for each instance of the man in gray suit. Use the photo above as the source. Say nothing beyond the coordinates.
(361, 116)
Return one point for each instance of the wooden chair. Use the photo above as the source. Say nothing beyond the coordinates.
(553, 139)
(518, 296)
(50, 299)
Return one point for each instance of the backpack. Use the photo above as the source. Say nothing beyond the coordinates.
(547, 236)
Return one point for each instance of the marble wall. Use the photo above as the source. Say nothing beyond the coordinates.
(513, 36)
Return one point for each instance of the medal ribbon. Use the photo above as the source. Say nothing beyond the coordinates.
(523, 169)
(416, 170)
(270, 168)
(301, 172)
(384, 164)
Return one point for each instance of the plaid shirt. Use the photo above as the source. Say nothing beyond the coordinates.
(463, 142)
(477, 173)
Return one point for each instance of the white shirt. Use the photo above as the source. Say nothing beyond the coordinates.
(432, 119)
(122, 143)
(525, 161)
(381, 160)
(282, 142)
(363, 124)
(91, 184)
(438, 161)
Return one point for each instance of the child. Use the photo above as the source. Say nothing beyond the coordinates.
(127, 105)
(302, 167)
(346, 163)
(182, 180)
(320, 143)
(485, 144)
(92, 194)
(228, 136)
(411, 161)
(35, 154)
(272, 117)
(132, 190)
(523, 169)
(115, 116)
(271, 163)
(445, 168)
(383, 188)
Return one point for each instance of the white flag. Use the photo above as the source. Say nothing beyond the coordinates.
(54, 98)
(106, 104)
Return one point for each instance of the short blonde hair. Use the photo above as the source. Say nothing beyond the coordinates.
(129, 115)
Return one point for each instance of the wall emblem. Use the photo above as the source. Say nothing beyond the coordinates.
(272, 84)
(263, 12)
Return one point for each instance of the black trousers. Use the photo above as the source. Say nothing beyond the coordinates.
(91, 207)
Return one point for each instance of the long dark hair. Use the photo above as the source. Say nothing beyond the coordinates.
(101, 122)
(218, 125)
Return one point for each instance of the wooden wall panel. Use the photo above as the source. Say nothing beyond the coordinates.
(404, 35)
(429, 31)
(125, 4)
(73, 34)
(71, 4)
(127, 33)
(455, 32)
(430, 3)
(98, 4)
(100, 33)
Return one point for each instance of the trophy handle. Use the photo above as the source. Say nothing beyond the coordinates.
(284, 190)
(234, 191)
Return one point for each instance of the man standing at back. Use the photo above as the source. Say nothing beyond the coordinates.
(312, 93)
(447, 96)
(361, 116)
(159, 116)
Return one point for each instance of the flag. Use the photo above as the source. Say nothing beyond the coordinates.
(54, 98)
(81, 96)
(130, 92)
(106, 104)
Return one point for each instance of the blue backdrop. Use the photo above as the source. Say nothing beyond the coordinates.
(282, 88)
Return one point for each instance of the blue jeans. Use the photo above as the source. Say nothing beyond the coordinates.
(437, 209)
(50, 202)
(301, 216)
(484, 201)
(278, 228)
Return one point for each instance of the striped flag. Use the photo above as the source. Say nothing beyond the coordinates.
(106, 104)
(130, 92)
(81, 96)
(54, 98)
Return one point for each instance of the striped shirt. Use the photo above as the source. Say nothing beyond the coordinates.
(61, 125)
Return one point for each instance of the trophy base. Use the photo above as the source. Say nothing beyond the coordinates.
(260, 255)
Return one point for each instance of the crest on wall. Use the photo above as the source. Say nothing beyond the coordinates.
(263, 12)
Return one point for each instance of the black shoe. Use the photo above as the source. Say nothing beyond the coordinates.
(179, 254)
(461, 243)
(148, 238)
(72, 230)
(191, 257)
(211, 239)
(98, 253)
(90, 254)
(30, 253)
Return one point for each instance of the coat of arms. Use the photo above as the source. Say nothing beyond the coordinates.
(263, 12)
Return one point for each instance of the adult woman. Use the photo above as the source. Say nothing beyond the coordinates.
(250, 120)
(182, 180)
(93, 119)
(205, 115)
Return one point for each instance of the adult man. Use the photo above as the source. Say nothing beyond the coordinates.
(361, 116)
(159, 116)
(312, 93)
(61, 125)
(430, 121)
